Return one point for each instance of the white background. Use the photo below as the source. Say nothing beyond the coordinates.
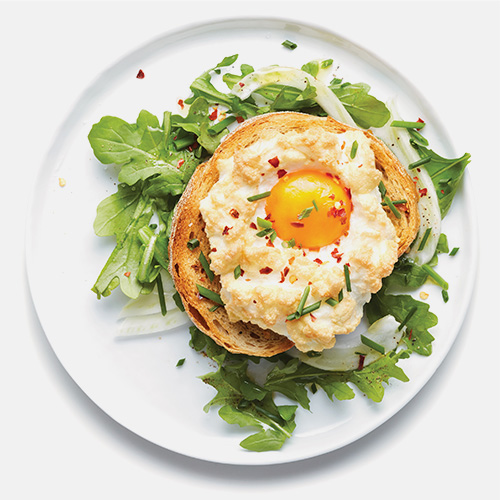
(54, 442)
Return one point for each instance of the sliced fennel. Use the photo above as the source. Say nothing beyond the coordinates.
(293, 77)
(151, 323)
(345, 355)
(398, 140)
(143, 315)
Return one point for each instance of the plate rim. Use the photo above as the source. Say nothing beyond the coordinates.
(225, 23)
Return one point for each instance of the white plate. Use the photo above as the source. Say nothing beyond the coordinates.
(136, 381)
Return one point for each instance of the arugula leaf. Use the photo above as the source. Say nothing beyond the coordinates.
(123, 263)
(115, 211)
(407, 275)
(365, 110)
(369, 380)
(242, 401)
(446, 174)
(152, 177)
(417, 315)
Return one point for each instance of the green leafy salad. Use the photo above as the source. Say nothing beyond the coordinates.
(156, 158)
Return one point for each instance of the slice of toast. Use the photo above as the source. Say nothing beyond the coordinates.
(188, 224)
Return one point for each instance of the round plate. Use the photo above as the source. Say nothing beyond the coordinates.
(136, 381)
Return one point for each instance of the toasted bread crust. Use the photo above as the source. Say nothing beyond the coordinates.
(185, 267)
(186, 271)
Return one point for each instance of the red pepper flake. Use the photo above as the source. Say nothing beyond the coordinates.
(361, 361)
(269, 242)
(410, 334)
(253, 225)
(274, 162)
(234, 213)
(180, 163)
(336, 255)
(213, 250)
(339, 213)
(180, 102)
(193, 146)
(240, 119)
(241, 84)
(266, 270)
(213, 115)
(313, 318)
(318, 261)
(225, 231)
(328, 174)
(140, 74)
(297, 224)
(442, 191)
(420, 121)
(422, 192)
(281, 172)
(284, 274)
(127, 274)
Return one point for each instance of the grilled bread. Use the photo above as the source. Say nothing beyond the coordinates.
(188, 224)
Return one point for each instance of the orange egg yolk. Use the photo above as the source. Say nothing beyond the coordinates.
(311, 207)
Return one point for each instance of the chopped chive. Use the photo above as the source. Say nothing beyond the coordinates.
(220, 126)
(237, 272)
(178, 301)
(161, 295)
(435, 276)
(288, 244)
(181, 362)
(272, 235)
(390, 204)
(418, 137)
(305, 213)
(214, 308)
(256, 197)
(382, 189)
(206, 266)
(414, 144)
(445, 295)
(454, 251)
(420, 162)
(347, 278)
(405, 124)
(264, 232)
(331, 302)
(192, 244)
(372, 344)
(424, 239)
(303, 299)
(395, 202)
(340, 295)
(184, 142)
(264, 223)
(311, 308)
(405, 321)
(315, 205)
(326, 63)
(209, 294)
(289, 45)
(354, 149)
